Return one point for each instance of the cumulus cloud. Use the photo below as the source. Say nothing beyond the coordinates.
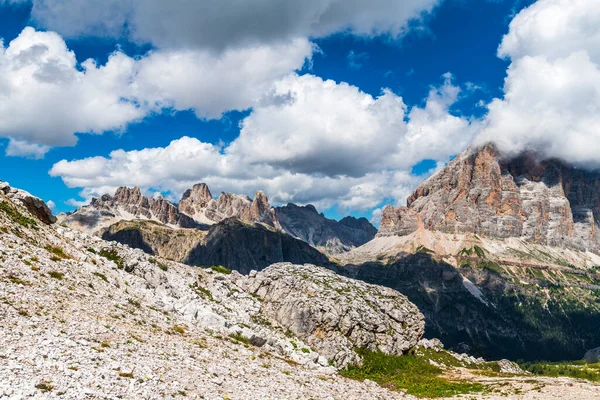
(226, 23)
(23, 149)
(551, 101)
(312, 141)
(46, 97)
(332, 128)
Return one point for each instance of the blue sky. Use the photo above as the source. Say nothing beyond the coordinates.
(460, 37)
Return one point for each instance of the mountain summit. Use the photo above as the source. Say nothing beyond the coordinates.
(479, 192)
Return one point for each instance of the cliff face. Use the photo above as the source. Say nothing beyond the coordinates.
(199, 204)
(478, 192)
(244, 247)
(307, 224)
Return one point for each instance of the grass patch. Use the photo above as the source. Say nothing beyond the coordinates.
(237, 336)
(101, 276)
(57, 252)
(179, 329)
(412, 374)
(56, 275)
(573, 369)
(16, 216)
(112, 255)
(221, 269)
(44, 387)
(16, 280)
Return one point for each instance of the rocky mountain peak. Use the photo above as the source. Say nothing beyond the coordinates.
(479, 192)
(306, 223)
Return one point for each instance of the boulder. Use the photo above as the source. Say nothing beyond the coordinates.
(334, 314)
(592, 356)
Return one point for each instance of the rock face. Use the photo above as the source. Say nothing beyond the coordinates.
(154, 238)
(242, 246)
(335, 314)
(307, 224)
(36, 206)
(592, 356)
(199, 204)
(479, 192)
(126, 204)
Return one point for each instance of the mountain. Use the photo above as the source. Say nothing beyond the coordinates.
(243, 246)
(501, 255)
(333, 237)
(479, 192)
(200, 230)
(126, 204)
(199, 204)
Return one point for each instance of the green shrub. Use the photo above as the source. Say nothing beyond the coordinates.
(56, 275)
(57, 252)
(101, 276)
(221, 269)
(112, 255)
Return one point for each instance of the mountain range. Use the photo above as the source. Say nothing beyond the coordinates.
(501, 255)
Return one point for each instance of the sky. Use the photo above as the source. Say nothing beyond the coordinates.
(347, 105)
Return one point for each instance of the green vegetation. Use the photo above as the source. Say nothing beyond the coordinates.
(16, 216)
(112, 255)
(573, 369)
(412, 374)
(238, 337)
(101, 276)
(58, 252)
(44, 387)
(202, 292)
(423, 249)
(56, 275)
(91, 250)
(179, 329)
(221, 269)
(134, 303)
(491, 266)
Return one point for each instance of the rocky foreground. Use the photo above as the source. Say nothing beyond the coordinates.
(86, 318)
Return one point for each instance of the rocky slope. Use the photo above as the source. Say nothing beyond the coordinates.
(544, 202)
(331, 236)
(86, 317)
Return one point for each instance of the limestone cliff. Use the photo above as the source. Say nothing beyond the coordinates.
(479, 192)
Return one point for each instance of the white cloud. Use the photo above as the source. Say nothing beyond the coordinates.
(311, 141)
(551, 101)
(319, 126)
(51, 205)
(24, 149)
(45, 98)
(226, 23)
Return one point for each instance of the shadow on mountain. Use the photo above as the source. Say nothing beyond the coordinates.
(243, 247)
(513, 321)
(132, 237)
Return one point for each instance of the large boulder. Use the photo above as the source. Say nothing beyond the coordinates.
(334, 314)
(592, 356)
